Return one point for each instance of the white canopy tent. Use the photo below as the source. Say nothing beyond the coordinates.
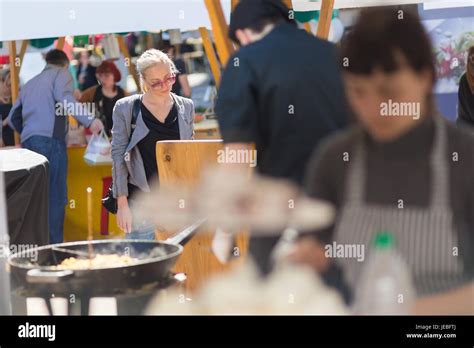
(36, 19)
(313, 5)
(31, 19)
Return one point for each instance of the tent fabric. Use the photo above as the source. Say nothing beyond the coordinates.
(73, 17)
(315, 5)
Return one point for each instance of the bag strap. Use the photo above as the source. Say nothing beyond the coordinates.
(97, 94)
(97, 100)
(103, 135)
(135, 111)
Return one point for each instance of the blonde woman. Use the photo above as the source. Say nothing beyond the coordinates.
(162, 115)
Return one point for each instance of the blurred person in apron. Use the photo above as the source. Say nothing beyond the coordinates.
(403, 168)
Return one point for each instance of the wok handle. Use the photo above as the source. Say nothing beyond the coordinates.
(185, 235)
(42, 277)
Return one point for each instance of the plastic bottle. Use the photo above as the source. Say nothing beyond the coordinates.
(385, 285)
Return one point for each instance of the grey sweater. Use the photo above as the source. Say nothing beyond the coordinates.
(44, 104)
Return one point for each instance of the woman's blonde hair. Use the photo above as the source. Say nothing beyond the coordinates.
(151, 58)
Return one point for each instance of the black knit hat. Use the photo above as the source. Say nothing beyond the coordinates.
(249, 12)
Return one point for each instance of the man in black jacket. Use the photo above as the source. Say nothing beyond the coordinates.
(282, 91)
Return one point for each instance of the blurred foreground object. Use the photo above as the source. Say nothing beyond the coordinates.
(385, 286)
(288, 290)
(222, 245)
(231, 200)
(5, 305)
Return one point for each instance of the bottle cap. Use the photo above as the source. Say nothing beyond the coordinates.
(384, 240)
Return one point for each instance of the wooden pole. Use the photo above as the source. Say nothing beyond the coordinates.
(288, 4)
(211, 55)
(149, 41)
(128, 60)
(325, 17)
(24, 46)
(307, 27)
(60, 43)
(90, 234)
(233, 4)
(15, 84)
(220, 30)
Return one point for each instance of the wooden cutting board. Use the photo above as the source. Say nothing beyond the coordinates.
(182, 162)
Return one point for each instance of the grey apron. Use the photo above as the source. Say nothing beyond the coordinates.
(425, 237)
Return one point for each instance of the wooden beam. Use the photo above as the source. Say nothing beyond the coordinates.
(15, 84)
(220, 30)
(233, 4)
(307, 27)
(325, 17)
(24, 46)
(211, 55)
(288, 3)
(149, 40)
(128, 60)
(60, 43)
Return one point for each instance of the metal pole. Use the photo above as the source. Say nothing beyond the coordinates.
(5, 290)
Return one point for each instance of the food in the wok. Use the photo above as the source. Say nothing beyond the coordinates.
(98, 261)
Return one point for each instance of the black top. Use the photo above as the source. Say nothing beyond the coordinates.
(105, 107)
(7, 132)
(400, 169)
(284, 93)
(465, 103)
(176, 89)
(169, 130)
(89, 76)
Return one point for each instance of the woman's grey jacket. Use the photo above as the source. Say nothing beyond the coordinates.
(127, 163)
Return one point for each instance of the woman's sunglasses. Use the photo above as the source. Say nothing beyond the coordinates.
(162, 84)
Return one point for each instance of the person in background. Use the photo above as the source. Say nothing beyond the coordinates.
(181, 87)
(75, 83)
(40, 118)
(86, 73)
(5, 107)
(282, 91)
(105, 95)
(466, 93)
(408, 173)
(132, 42)
(163, 116)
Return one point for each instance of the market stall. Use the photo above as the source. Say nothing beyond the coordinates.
(177, 160)
(97, 177)
(80, 174)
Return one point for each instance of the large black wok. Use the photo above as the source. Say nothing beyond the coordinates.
(33, 269)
